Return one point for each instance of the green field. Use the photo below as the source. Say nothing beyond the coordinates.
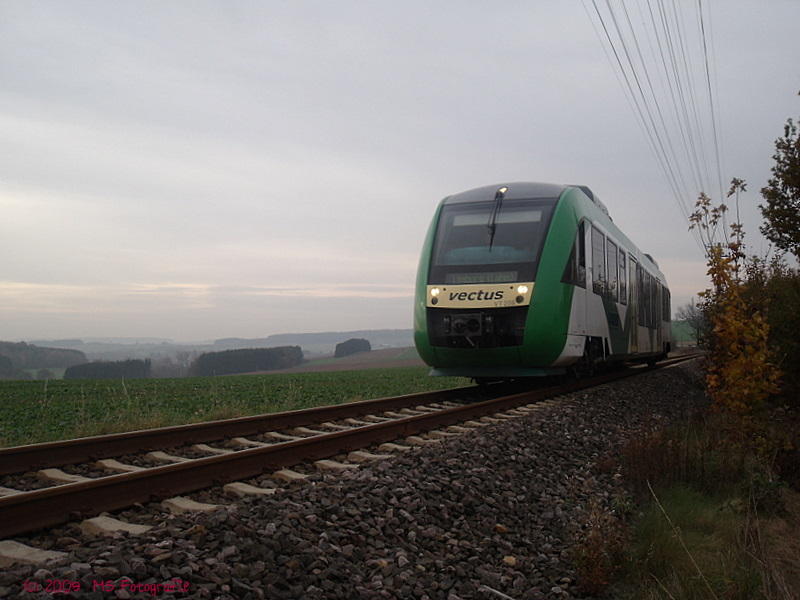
(40, 411)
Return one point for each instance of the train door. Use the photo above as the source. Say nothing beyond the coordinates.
(576, 274)
(659, 306)
(633, 309)
(580, 301)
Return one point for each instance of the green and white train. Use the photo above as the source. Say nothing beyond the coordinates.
(533, 279)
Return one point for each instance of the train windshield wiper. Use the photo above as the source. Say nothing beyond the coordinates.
(492, 224)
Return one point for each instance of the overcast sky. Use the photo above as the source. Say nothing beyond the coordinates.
(198, 170)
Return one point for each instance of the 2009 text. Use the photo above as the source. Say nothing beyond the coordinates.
(67, 586)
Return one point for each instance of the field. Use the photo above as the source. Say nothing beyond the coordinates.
(40, 411)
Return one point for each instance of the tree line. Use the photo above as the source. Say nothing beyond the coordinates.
(248, 360)
(16, 357)
(119, 369)
(28, 356)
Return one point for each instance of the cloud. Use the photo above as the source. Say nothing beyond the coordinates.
(209, 168)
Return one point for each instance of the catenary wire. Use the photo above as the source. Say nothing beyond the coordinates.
(677, 122)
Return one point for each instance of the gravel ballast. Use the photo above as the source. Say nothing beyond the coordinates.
(488, 514)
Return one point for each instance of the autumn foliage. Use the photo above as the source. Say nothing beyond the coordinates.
(741, 371)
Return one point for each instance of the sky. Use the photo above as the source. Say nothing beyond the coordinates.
(194, 170)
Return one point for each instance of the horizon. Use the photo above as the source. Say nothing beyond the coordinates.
(149, 340)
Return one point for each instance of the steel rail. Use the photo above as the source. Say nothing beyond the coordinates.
(18, 459)
(29, 511)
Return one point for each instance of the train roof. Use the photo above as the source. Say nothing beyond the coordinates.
(521, 190)
(514, 191)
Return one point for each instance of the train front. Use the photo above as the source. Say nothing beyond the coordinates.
(477, 276)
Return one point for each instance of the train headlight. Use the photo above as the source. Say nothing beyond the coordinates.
(434, 295)
(522, 289)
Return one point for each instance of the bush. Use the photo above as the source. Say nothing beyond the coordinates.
(774, 289)
(352, 346)
(246, 360)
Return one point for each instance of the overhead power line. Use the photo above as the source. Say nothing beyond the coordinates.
(660, 53)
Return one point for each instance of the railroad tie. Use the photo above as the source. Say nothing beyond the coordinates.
(392, 447)
(212, 450)
(108, 526)
(245, 489)
(114, 465)
(250, 443)
(440, 435)
(7, 491)
(180, 505)
(458, 429)
(334, 426)
(503, 416)
(59, 476)
(289, 476)
(282, 437)
(12, 553)
(377, 419)
(360, 456)
(335, 466)
(164, 457)
(306, 431)
(415, 440)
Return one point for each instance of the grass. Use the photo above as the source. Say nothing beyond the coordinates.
(41, 411)
(690, 546)
(711, 520)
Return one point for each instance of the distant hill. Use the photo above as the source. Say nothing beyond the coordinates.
(325, 343)
(118, 348)
(30, 356)
(157, 348)
(17, 359)
(377, 359)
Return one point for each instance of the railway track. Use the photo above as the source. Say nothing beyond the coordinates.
(294, 437)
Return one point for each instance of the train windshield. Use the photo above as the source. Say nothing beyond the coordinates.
(483, 242)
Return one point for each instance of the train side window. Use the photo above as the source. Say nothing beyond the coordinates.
(575, 272)
(658, 303)
(598, 262)
(623, 277)
(653, 303)
(641, 295)
(612, 253)
(652, 306)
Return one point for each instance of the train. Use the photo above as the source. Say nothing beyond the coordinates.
(522, 280)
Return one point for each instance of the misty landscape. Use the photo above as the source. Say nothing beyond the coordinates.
(49, 359)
